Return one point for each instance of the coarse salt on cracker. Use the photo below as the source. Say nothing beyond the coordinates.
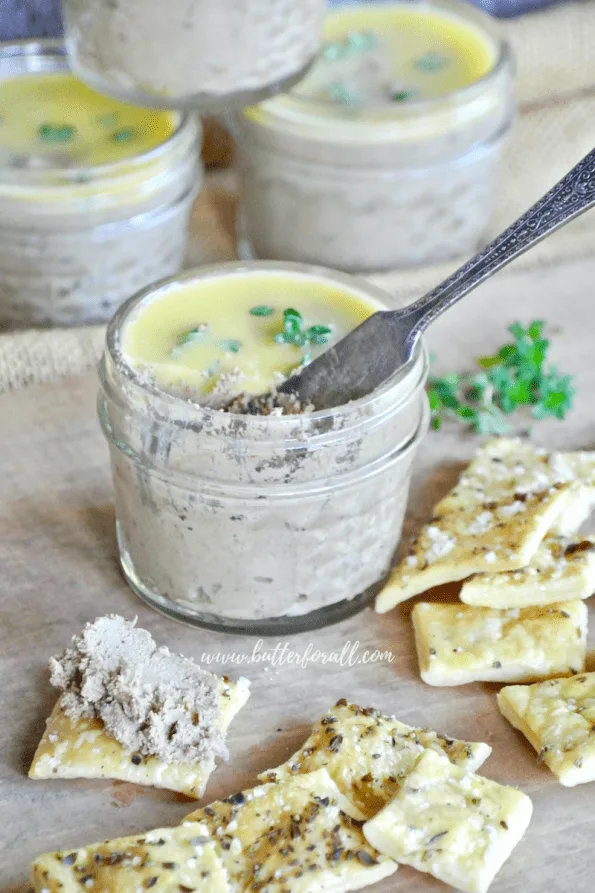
(558, 720)
(301, 835)
(454, 825)
(457, 644)
(495, 518)
(562, 569)
(368, 754)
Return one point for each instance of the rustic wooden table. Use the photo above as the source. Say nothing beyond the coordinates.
(58, 569)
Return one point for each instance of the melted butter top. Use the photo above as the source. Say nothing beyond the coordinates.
(223, 336)
(54, 120)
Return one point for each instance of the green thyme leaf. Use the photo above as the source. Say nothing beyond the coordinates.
(341, 94)
(213, 369)
(56, 133)
(432, 61)
(294, 332)
(333, 50)
(362, 41)
(318, 334)
(193, 335)
(261, 310)
(402, 95)
(515, 378)
(124, 135)
(231, 345)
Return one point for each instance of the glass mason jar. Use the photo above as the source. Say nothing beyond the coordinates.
(258, 524)
(75, 241)
(371, 188)
(200, 54)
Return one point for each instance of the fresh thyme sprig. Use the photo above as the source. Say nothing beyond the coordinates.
(515, 377)
(295, 333)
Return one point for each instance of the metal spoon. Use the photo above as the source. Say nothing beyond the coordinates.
(377, 348)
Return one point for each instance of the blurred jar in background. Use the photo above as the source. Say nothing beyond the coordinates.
(196, 54)
(387, 154)
(95, 195)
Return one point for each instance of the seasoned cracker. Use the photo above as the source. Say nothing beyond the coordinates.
(531, 469)
(457, 644)
(562, 569)
(301, 835)
(454, 825)
(81, 748)
(164, 860)
(368, 754)
(492, 521)
(574, 467)
(558, 719)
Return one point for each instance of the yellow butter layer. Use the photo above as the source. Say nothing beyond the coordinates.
(191, 336)
(54, 120)
(430, 52)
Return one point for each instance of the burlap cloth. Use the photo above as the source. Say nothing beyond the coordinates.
(555, 128)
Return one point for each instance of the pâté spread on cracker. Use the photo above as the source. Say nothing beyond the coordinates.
(135, 712)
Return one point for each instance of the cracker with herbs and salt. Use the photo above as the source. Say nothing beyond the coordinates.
(573, 467)
(457, 644)
(562, 569)
(301, 835)
(81, 748)
(454, 825)
(368, 754)
(165, 860)
(531, 469)
(492, 521)
(558, 720)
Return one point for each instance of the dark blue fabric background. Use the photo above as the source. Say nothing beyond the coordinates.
(29, 18)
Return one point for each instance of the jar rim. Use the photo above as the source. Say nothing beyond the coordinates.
(53, 50)
(354, 284)
(315, 117)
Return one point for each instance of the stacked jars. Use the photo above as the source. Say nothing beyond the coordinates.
(383, 154)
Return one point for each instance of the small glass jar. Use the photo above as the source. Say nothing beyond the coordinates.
(200, 54)
(258, 524)
(372, 188)
(76, 241)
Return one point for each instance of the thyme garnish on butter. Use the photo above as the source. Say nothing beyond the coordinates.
(261, 310)
(190, 337)
(124, 135)
(294, 332)
(514, 378)
(56, 133)
(196, 334)
(231, 345)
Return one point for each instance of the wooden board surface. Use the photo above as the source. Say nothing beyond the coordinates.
(58, 569)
